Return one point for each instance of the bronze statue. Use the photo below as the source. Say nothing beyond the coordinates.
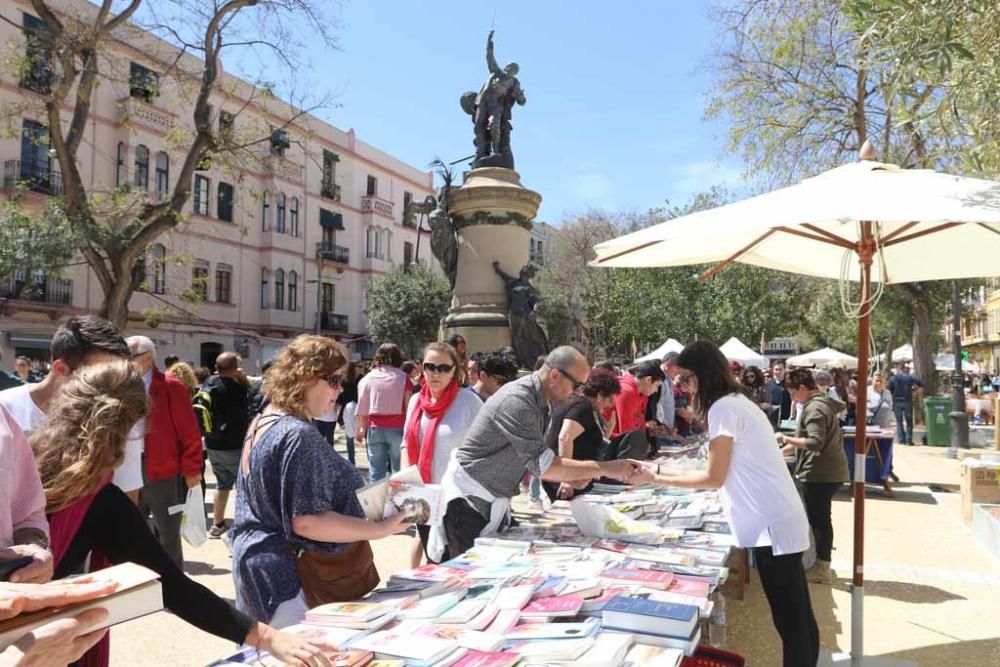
(444, 237)
(529, 339)
(490, 111)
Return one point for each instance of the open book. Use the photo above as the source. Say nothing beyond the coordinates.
(138, 594)
(374, 496)
(421, 503)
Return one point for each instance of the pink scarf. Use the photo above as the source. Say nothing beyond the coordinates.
(64, 524)
(422, 452)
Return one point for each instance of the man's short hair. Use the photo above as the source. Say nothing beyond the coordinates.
(140, 345)
(498, 365)
(80, 336)
(649, 369)
(565, 357)
(800, 377)
(170, 360)
(823, 377)
(777, 362)
(670, 358)
(227, 361)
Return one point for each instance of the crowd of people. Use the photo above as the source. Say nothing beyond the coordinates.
(115, 442)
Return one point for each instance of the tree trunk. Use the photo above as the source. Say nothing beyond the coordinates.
(115, 305)
(923, 354)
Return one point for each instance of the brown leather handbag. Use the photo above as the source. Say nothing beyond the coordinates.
(336, 577)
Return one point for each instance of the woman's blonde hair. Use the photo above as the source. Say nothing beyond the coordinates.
(83, 440)
(298, 364)
(185, 374)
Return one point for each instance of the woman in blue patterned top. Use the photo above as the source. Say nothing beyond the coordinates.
(294, 491)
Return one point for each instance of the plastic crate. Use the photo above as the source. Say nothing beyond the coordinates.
(713, 657)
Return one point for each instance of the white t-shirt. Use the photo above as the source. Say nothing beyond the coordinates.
(758, 495)
(450, 431)
(18, 402)
(127, 477)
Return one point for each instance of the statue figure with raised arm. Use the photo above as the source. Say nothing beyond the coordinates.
(527, 335)
(491, 112)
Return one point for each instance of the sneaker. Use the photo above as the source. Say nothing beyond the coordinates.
(217, 531)
(820, 573)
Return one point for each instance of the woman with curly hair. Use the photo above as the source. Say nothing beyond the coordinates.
(577, 427)
(77, 451)
(185, 374)
(298, 518)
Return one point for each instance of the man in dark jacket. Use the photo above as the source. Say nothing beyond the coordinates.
(781, 401)
(222, 407)
(901, 386)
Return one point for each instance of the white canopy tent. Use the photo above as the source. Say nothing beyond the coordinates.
(825, 358)
(735, 350)
(902, 353)
(670, 346)
(946, 362)
(899, 225)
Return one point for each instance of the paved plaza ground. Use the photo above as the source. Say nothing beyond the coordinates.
(932, 593)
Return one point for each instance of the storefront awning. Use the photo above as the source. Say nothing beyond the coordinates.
(30, 341)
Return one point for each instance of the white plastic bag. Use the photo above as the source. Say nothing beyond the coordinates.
(194, 527)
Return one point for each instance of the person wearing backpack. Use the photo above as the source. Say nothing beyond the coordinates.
(222, 407)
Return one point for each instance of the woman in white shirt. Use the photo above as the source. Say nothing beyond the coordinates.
(436, 421)
(758, 494)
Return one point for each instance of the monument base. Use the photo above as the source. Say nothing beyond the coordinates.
(485, 328)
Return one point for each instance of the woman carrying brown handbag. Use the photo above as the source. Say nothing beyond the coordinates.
(300, 537)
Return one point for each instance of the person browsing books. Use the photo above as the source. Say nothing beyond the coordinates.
(820, 464)
(757, 493)
(295, 496)
(506, 439)
(576, 431)
(77, 452)
(436, 422)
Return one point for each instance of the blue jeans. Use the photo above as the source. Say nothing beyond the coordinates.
(383, 451)
(350, 450)
(904, 422)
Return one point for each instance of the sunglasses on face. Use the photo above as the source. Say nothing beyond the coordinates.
(576, 385)
(333, 380)
(437, 368)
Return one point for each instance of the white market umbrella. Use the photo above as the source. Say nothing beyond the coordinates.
(946, 362)
(735, 350)
(825, 358)
(903, 353)
(906, 225)
(670, 346)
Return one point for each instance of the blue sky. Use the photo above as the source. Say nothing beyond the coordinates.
(616, 92)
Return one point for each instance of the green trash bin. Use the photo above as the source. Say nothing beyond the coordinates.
(937, 412)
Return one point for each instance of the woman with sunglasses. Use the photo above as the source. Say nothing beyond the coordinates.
(436, 422)
(295, 494)
(758, 494)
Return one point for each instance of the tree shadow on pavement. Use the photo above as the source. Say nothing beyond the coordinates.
(902, 591)
(196, 568)
(974, 653)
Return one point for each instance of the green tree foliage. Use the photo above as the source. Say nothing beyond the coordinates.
(34, 241)
(405, 306)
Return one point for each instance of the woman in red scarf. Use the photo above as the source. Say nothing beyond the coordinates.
(436, 421)
(77, 451)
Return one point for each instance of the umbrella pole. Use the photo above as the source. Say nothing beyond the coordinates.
(865, 253)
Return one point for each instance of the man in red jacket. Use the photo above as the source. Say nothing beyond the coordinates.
(171, 462)
(637, 386)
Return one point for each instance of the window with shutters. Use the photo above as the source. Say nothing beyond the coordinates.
(265, 280)
(293, 216)
(142, 167)
(199, 279)
(201, 187)
(224, 202)
(162, 175)
(279, 289)
(293, 290)
(279, 218)
(223, 283)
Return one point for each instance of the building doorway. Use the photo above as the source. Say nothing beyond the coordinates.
(209, 352)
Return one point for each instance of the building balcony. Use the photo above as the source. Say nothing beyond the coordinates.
(375, 204)
(330, 321)
(336, 254)
(329, 190)
(134, 109)
(284, 168)
(54, 291)
(33, 176)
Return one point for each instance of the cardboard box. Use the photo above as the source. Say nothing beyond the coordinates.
(980, 484)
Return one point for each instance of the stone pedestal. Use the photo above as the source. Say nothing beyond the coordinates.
(492, 212)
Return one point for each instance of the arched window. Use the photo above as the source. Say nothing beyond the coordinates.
(293, 216)
(265, 212)
(265, 277)
(121, 168)
(293, 291)
(156, 269)
(279, 289)
(279, 218)
(142, 167)
(162, 175)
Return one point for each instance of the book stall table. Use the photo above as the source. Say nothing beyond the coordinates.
(619, 576)
(878, 456)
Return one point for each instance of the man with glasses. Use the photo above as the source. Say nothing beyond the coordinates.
(492, 372)
(172, 459)
(506, 439)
